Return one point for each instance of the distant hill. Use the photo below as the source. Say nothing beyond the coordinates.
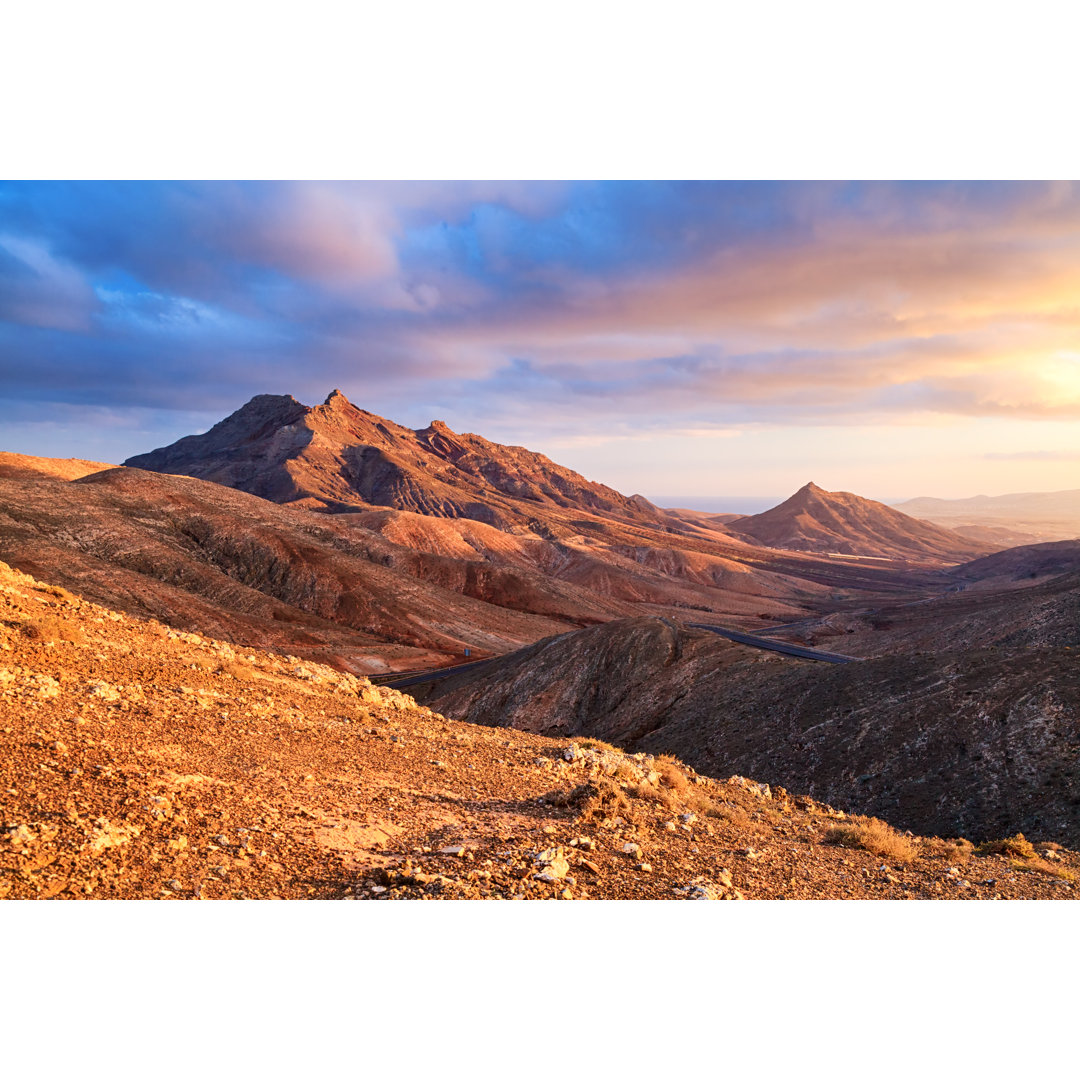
(1035, 515)
(839, 522)
(25, 465)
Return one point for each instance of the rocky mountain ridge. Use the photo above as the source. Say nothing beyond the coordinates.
(337, 457)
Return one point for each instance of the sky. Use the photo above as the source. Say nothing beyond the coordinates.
(689, 341)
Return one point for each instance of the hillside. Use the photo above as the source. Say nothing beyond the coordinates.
(839, 522)
(140, 762)
(204, 557)
(978, 741)
(25, 466)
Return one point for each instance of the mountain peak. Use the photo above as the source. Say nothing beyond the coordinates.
(336, 399)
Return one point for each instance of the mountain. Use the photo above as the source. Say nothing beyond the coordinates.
(838, 522)
(142, 763)
(336, 457)
(1035, 515)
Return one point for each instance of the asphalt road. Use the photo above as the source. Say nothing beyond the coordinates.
(413, 678)
(777, 646)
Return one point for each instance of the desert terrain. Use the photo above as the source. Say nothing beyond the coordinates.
(200, 652)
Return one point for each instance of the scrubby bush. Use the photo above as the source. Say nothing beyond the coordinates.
(594, 801)
(875, 836)
(1016, 847)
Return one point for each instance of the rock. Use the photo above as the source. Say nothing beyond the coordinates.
(566, 894)
(454, 849)
(20, 835)
(554, 865)
(749, 853)
(632, 850)
(572, 753)
(645, 868)
(702, 892)
(763, 791)
(582, 843)
(688, 819)
(670, 826)
(107, 692)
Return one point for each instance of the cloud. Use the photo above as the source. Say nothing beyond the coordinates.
(37, 289)
(683, 306)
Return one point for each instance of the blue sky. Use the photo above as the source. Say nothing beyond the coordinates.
(669, 338)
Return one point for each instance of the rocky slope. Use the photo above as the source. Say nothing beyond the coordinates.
(839, 522)
(1027, 597)
(980, 741)
(141, 762)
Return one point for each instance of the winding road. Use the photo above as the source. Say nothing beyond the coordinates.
(777, 646)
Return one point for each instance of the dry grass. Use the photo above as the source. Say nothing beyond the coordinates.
(47, 628)
(672, 775)
(56, 590)
(735, 816)
(954, 851)
(875, 836)
(596, 744)
(1043, 867)
(1016, 847)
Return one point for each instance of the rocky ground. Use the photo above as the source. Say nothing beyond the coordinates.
(141, 762)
